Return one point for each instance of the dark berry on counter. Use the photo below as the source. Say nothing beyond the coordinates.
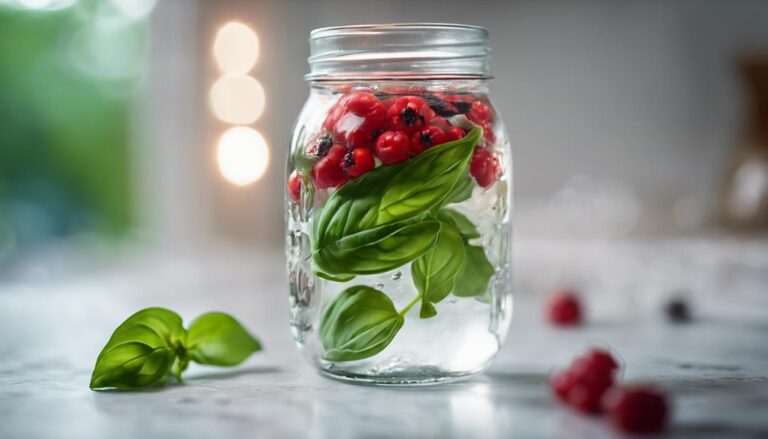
(678, 311)
(637, 409)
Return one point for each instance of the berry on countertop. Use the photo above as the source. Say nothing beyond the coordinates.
(678, 311)
(408, 114)
(357, 119)
(637, 409)
(426, 138)
(358, 161)
(583, 385)
(328, 171)
(484, 167)
(564, 309)
(294, 186)
(393, 147)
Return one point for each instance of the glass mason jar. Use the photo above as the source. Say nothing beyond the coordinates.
(398, 206)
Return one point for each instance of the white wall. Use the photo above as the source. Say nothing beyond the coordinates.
(642, 94)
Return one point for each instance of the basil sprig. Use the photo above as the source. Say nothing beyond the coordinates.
(382, 220)
(149, 344)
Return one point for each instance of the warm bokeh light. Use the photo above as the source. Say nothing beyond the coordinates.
(236, 48)
(237, 99)
(242, 155)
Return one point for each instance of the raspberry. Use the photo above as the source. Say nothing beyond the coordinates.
(480, 113)
(637, 409)
(393, 147)
(585, 382)
(357, 119)
(294, 186)
(564, 309)
(408, 114)
(601, 359)
(484, 167)
(358, 161)
(328, 171)
(426, 138)
(454, 133)
(562, 383)
(488, 134)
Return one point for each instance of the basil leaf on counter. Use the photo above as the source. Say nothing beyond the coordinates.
(352, 219)
(377, 250)
(218, 339)
(434, 273)
(358, 324)
(149, 344)
(140, 352)
(473, 280)
(460, 221)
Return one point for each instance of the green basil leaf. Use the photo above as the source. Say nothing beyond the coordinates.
(358, 324)
(140, 352)
(341, 278)
(478, 270)
(460, 221)
(462, 191)
(434, 273)
(428, 179)
(218, 339)
(397, 194)
(377, 250)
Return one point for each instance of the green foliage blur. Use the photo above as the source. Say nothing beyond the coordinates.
(64, 150)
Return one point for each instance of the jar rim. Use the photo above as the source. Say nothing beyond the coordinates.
(393, 51)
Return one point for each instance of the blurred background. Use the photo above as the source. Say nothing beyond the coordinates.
(143, 130)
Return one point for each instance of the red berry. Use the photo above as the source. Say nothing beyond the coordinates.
(488, 134)
(358, 161)
(454, 133)
(440, 122)
(484, 167)
(357, 119)
(393, 147)
(328, 171)
(601, 359)
(562, 383)
(409, 114)
(637, 409)
(294, 186)
(480, 113)
(564, 309)
(426, 138)
(586, 398)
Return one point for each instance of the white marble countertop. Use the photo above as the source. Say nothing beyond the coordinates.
(52, 328)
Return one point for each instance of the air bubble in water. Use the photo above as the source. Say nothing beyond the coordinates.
(397, 275)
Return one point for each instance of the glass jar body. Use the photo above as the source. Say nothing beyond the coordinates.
(398, 220)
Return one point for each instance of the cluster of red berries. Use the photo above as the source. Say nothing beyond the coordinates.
(363, 126)
(588, 386)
